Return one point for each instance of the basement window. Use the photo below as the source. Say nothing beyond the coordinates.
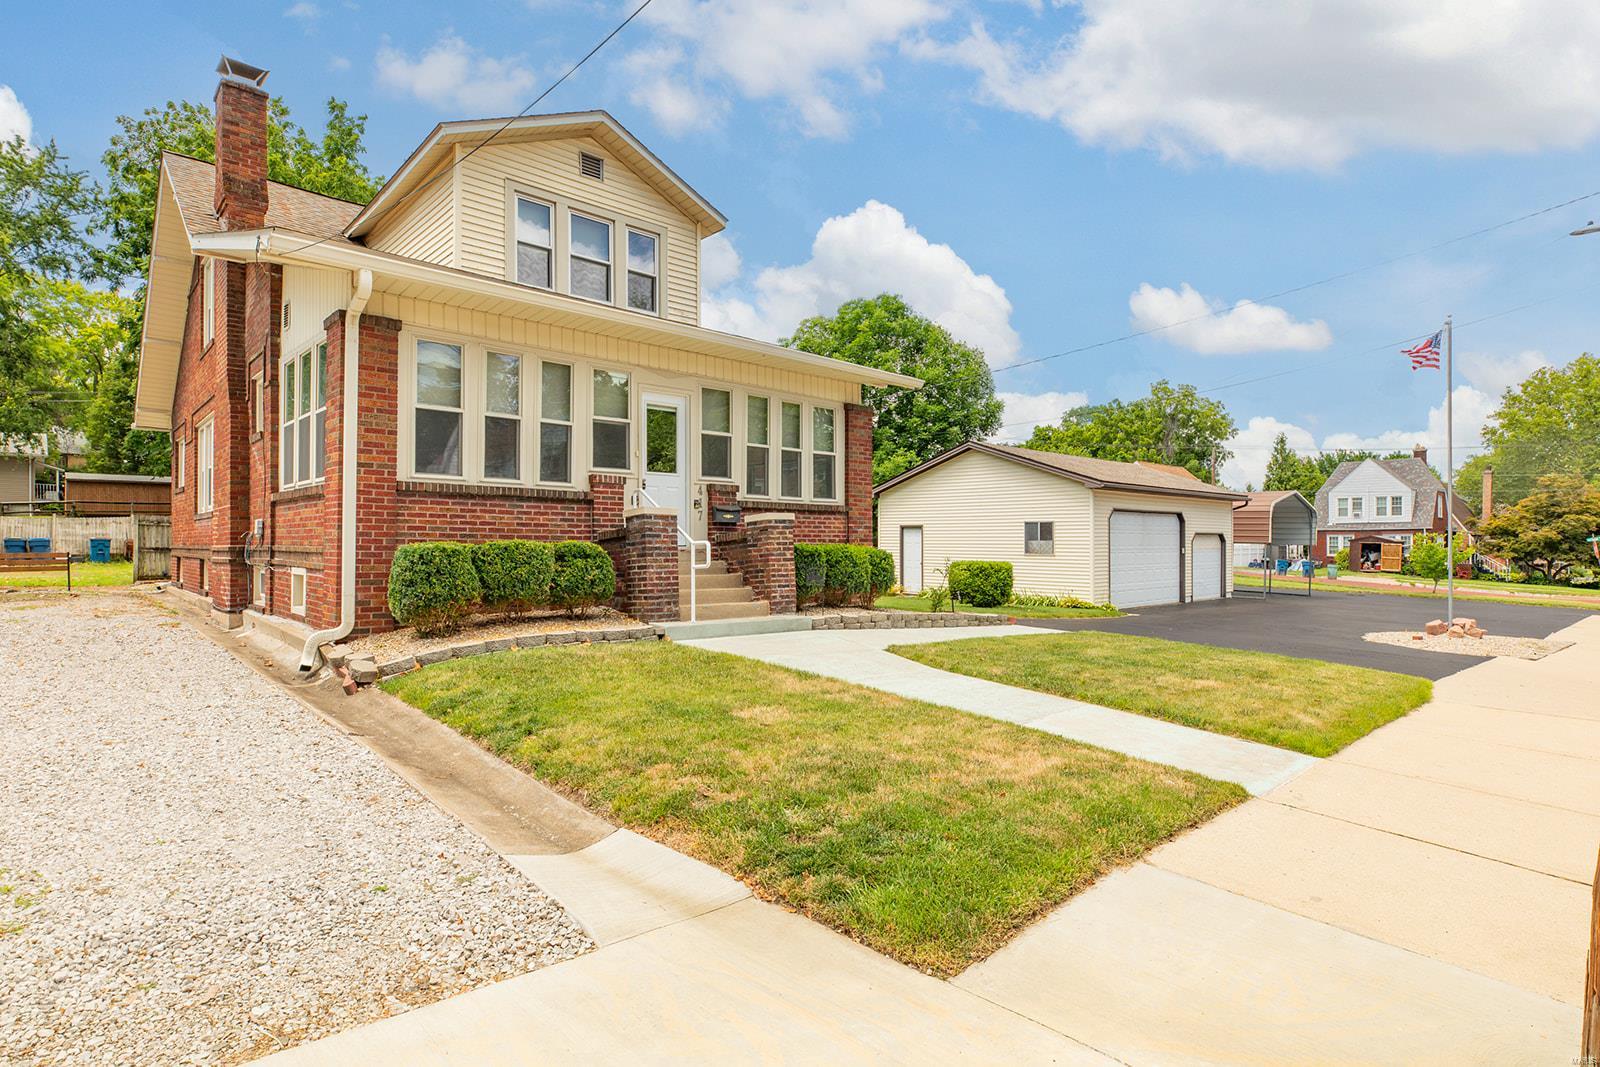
(297, 591)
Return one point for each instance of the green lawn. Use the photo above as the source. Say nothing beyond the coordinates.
(1305, 705)
(1467, 590)
(927, 833)
(117, 572)
(918, 603)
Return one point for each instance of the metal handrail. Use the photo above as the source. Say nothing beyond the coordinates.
(694, 558)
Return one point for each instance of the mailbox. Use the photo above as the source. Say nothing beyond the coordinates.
(729, 515)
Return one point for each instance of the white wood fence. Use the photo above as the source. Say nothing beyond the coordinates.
(68, 533)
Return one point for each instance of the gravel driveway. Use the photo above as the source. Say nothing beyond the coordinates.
(194, 867)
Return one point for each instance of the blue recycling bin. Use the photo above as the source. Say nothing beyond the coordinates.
(1307, 568)
(1283, 566)
(99, 550)
(38, 544)
(16, 544)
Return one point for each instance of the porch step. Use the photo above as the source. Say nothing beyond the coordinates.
(730, 594)
(711, 580)
(749, 609)
(768, 624)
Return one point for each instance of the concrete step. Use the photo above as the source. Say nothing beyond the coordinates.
(717, 567)
(737, 594)
(750, 609)
(768, 624)
(709, 580)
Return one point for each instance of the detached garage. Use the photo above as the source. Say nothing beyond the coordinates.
(1133, 534)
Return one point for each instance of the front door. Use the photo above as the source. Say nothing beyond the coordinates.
(666, 458)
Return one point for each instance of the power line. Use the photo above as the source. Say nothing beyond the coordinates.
(1307, 285)
(552, 87)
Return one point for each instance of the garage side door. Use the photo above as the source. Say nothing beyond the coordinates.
(1207, 567)
(1144, 559)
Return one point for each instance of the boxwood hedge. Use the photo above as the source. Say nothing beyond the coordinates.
(433, 586)
(841, 574)
(515, 575)
(583, 576)
(983, 583)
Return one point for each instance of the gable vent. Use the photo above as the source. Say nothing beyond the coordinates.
(285, 325)
(592, 166)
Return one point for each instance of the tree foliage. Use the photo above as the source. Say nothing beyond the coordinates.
(1428, 556)
(1287, 469)
(1548, 424)
(956, 402)
(1173, 425)
(1547, 531)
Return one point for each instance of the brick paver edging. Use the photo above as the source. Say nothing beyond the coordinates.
(906, 620)
(504, 644)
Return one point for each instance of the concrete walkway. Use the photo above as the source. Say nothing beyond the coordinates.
(858, 656)
(1422, 896)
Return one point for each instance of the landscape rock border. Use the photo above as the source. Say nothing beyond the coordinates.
(357, 669)
(906, 620)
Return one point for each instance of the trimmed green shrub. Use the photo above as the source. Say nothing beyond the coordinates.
(515, 575)
(880, 568)
(983, 583)
(847, 576)
(433, 586)
(583, 576)
(809, 573)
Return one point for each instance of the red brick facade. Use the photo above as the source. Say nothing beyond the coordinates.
(645, 554)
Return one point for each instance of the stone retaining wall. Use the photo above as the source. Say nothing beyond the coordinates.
(906, 620)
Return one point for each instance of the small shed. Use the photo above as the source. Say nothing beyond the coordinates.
(1375, 552)
(117, 494)
(1271, 526)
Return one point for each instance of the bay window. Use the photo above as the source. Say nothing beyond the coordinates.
(758, 446)
(555, 422)
(502, 417)
(535, 245)
(438, 417)
(790, 456)
(823, 457)
(716, 433)
(611, 421)
(302, 443)
(643, 272)
(589, 265)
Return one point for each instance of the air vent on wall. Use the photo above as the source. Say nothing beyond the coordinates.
(592, 166)
(285, 315)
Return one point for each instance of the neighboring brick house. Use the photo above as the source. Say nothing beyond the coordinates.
(504, 343)
(1390, 498)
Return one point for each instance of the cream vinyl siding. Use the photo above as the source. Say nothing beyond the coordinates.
(312, 295)
(691, 368)
(1199, 517)
(425, 226)
(974, 507)
(549, 170)
(16, 479)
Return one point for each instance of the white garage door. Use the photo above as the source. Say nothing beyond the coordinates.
(1207, 567)
(1144, 559)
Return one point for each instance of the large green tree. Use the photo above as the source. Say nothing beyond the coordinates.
(1548, 424)
(1287, 469)
(956, 402)
(1173, 425)
(42, 249)
(1548, 530)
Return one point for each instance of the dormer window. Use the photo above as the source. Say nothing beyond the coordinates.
(535, 245)
(642, 271)
(590, 262)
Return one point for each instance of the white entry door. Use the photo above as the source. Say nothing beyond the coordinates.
(1207, 567)
(1144, 559)
(666, 455)
(911, 558)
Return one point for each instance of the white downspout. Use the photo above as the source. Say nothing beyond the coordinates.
(347, 481)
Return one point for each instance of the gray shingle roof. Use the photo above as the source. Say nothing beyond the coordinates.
(1425, 488)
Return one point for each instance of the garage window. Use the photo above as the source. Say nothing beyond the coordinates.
(1039, 538)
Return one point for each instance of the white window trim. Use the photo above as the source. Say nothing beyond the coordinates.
(610, 265)
(627, 268)
(732, 437)
(514, 241)
(258, 403)
(289, 425)
(1380, 508)
(775, 449)
(208, 302)
(634, 420)
(813, 451)
(485, 414)
(258, 586)
(742, 461)
(297, 576)
(562, 209)
(570, 422)
(205, 461)
(180, 451)
(1038, 524)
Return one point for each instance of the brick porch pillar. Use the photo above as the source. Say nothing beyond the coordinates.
(647, 564)
(768, 559)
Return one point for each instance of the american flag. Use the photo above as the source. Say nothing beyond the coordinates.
(1425, 354)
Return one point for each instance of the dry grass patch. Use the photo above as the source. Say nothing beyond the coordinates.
(1302, 704)
(930, 834)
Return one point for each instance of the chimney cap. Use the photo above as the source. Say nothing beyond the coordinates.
(240, 71)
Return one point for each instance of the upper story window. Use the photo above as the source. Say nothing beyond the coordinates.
(642, 271)
(302, 442)
(1356, 503)
(208, 302)
(1397, 506)
(1382, 510)
(590, 262)
(535, 243)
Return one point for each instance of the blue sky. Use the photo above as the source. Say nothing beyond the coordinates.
(1037, 176)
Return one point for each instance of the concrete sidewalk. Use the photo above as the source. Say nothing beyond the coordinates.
(858, 656)
(1422, 896)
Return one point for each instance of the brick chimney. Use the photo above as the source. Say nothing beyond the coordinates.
(241, 190)
(1488, 493)
(1419, 452)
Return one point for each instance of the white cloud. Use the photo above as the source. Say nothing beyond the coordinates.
(14, 118)
(797, 52)
(867, 252)
(304, 12)
(452, 74)
(1494, 376)
(1187, 319)
(1472, 409)
(338, 63)
(1304, 85)
(1024, 411)
(1252, 447)
(720, 262)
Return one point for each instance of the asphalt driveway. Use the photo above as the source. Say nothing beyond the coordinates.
(1326, 626)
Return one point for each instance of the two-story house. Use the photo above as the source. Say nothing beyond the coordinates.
(1389, 499)
(505, 342)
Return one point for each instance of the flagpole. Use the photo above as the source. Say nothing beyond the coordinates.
(1449, 474)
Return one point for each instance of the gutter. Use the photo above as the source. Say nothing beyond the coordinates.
(361, 293)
